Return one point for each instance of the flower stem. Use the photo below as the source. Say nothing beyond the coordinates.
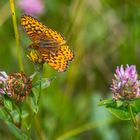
(16, 35)
(132, 116)
(39, 88)
(134, 121)
(20, 115)
(37, 103)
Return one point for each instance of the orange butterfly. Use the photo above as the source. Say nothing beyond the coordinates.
(49, 44)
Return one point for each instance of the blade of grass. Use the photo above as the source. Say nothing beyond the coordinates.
(16, 35)
(84, 128)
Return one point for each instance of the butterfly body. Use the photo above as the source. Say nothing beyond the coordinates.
(50, 45)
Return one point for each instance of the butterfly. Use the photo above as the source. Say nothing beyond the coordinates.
(50, 45)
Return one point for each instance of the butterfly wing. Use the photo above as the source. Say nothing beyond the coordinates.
(57, 58)
(39, 33)
(49, 43)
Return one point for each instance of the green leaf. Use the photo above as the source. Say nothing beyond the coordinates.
(15, 115)
(3, 115)
(44, 83)
(106, 102)
(17, 132)
(119, 113)
(119, 103)
(118, 108)
(8, 104)
(33, 100)
(135, 104)
(24, 114)
(35, 107)
(35, 92)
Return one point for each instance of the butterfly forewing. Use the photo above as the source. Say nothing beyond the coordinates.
(39, 32)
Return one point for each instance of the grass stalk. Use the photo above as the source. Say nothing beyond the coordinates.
(76, 131)
(18, 48)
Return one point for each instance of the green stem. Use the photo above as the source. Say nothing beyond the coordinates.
(132, 116)
(18, 48)
(39, 89)
(133, 119)
(20, 115)
(37, 102)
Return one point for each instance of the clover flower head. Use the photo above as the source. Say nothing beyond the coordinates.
(17, 85)
(32, 7)
(125, 84)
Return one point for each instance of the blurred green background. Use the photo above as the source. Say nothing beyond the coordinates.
(103, 34)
